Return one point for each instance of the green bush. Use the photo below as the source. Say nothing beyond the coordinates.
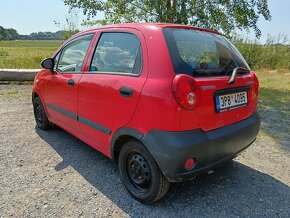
(274, 54)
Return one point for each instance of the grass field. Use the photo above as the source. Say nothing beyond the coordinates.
(28, 54)
(25, 54)
(274, 105)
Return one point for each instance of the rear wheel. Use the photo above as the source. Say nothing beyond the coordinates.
(140, 173)
(40, 116)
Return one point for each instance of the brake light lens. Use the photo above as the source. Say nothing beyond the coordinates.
(256, 83)
(189, 163)
(185, 91)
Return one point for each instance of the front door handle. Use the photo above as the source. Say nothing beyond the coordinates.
(126, 92)
(71, 82)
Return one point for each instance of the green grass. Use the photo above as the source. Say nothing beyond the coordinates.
(275, 89)
(25, 54)
(274, 104)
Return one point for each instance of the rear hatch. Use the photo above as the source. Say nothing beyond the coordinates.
(210, 60)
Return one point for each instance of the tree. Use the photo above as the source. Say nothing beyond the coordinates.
(11, 34)
(8, 34)
(221, 15)
(2, 33)
(69, 28)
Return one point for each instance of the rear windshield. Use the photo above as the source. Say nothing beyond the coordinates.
(199, 53)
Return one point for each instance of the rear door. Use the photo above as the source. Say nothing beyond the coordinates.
(61, 87)
(223, 104)
(210, 59)
(110, 89)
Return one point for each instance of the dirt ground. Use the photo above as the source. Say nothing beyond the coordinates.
(53, 174)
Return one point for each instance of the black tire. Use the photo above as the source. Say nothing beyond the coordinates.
(40, 116)
(140, 173)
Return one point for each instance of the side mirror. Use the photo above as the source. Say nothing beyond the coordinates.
(48, 63)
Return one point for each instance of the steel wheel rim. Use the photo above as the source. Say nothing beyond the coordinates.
(139, 172)
(39, 113)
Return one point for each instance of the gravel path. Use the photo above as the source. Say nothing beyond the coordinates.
(53, 174)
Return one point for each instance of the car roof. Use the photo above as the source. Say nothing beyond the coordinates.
(146, 26)
(143, 27)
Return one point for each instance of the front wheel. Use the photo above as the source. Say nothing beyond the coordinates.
(40, 116)
(140, 173)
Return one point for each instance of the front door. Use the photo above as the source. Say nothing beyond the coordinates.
(60, 91)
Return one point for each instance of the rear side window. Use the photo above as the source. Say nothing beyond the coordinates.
(117, 53)
(72, 55)
(199, 53)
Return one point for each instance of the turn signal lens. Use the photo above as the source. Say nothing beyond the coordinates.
(256, 83)
(185, 91)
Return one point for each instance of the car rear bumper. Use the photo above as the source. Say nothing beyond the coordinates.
(210, 149)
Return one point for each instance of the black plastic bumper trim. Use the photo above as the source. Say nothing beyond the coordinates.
(83, 120)
(232, 90)
(171, 149)
(94, 125)
(62, 111)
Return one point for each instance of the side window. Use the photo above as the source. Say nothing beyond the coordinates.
(117, 53)
(72, 56)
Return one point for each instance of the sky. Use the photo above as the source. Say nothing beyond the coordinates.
(28, 16)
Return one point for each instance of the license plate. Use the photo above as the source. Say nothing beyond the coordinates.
(231, 101)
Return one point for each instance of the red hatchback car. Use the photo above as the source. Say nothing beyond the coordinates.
(165, 101)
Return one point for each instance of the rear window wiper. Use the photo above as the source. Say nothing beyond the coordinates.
(235, 73)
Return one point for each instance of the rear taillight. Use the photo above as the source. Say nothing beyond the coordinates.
(256, 83)
(185, 91)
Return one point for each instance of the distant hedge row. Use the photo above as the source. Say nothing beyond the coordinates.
(12, 34)
(274, 54)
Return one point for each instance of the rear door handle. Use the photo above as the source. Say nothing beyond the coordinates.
(71, 82)
(126, 92)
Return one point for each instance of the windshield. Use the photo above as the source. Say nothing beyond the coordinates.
(200, 53)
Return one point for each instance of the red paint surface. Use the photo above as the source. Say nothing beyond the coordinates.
(152, 106)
